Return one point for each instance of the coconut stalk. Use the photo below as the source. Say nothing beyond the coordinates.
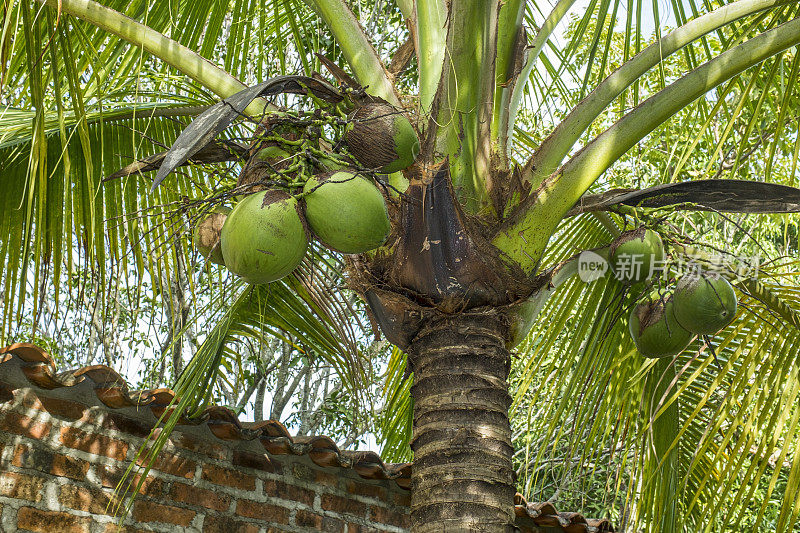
(169, 51)
(431, 26)
(357, 49)
(463, 104)
(561, 140)
(524, 235)
(511, 43)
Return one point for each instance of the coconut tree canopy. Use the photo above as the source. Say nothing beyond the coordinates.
(517, 135)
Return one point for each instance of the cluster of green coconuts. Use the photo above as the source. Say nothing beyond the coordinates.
(266, 234)
(701, 303)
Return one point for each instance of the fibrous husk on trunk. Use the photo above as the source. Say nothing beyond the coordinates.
(438, 260)
(444, 257)
(398, 317)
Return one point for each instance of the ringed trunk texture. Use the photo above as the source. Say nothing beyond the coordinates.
(462, 478)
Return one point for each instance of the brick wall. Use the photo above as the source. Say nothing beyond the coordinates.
(67, 438)
(60, 460)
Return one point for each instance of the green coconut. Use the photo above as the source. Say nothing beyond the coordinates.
(704, 303)
(381, 137)
(264, 238)
(272, 154)
(206, 235)
(346, 212)
(635, 254)
(655, 331)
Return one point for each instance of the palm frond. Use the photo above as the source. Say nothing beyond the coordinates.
(397, 412)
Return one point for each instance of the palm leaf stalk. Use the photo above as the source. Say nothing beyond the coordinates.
(479, 247)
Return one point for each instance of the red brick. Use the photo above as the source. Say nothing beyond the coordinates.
(93, 501)
(115, 528)
(111, 477)
(356, 528)
(182, 492)
(365, 489)
(284, 491)
(70, 467)
(19, 455)
(174, 465)
(21, 486)
(33, 457)
(226, 524)
(258, 461)
(145, 511)
(332, 525)
(23, 425)
(227, 477)
(308, 519)
(387, 516)
(311, 520)
(266, 512)
(49, 521)
(93, 443)
(331, 502)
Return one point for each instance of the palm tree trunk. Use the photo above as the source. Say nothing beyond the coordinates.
(463, 479)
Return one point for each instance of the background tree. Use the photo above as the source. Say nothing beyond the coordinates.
(488, 185)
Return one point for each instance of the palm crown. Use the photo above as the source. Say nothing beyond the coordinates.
(487, 207)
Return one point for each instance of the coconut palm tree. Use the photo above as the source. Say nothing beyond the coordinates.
(487, 214)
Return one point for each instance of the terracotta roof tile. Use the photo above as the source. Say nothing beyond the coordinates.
(113, 392)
